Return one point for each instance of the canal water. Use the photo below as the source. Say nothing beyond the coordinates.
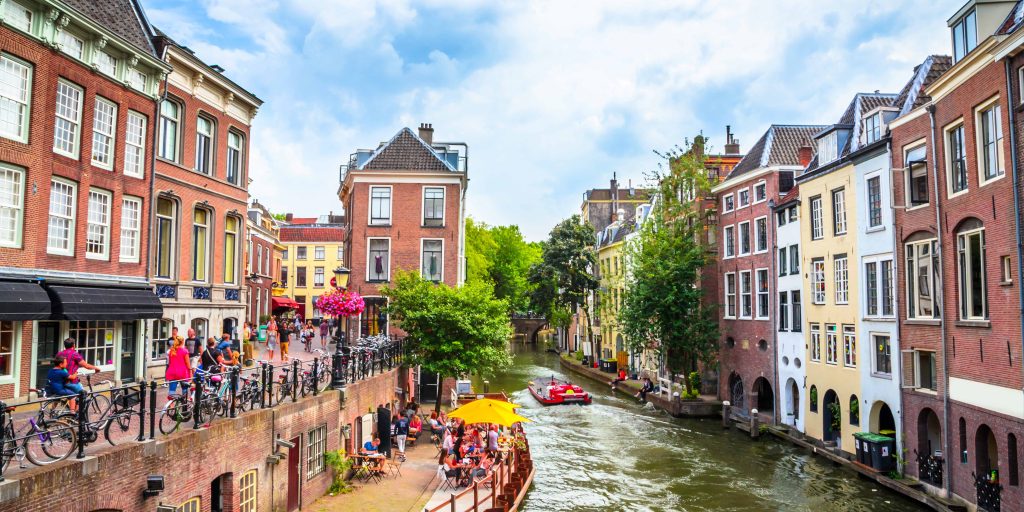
(616, 455)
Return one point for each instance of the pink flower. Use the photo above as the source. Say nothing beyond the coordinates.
(341, 303)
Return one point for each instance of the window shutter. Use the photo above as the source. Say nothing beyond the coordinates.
(907, 369)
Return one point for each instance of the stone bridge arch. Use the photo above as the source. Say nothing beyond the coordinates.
(527, 326)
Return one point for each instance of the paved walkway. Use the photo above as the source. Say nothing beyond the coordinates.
(406, 493)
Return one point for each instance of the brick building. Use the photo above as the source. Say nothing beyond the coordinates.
(81, 81)
(746, 264)
(201, 196)
(263, 260)
(312, 250)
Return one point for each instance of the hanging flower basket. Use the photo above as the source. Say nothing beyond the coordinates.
(340, 303)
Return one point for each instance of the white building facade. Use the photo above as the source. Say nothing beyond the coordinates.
(790, 313)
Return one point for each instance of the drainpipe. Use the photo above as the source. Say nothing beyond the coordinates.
(895, 305)
(942, 306)
(152, 206)
(774, 293)
(1016, 192)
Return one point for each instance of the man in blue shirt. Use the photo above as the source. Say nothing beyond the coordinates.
(402, 433)
(57, 381)
(370, 447)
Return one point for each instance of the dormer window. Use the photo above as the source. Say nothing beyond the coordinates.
(965, 35)
(872, 128)
(828, 148)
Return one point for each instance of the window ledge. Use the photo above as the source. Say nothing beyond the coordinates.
(927, 391)
(424, 226)
(879, 319)
(983, 324)
(886, 376)
(1006, 283)
(913, 321)
(379, 225)
(875, 229)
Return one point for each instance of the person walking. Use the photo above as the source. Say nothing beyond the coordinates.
(272, 337)
(285, 332)
(179, 367)
(401, 434)
(324, 333)
(307, 335)
(192, 346)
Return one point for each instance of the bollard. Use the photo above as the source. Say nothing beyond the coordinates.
(83, 418)
(270, 384)
(755, 424)
(3, 433)
(726, 412)
(197, 400)
(263, 385)
(152, 409)
(142, 412)
(233, 390)
(295, 380)
(316, 376)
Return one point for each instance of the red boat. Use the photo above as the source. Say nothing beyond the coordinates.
(557, 392)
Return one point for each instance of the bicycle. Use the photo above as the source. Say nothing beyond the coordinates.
(42, 442)
(323, 375)
(176, 411)
(113, 416)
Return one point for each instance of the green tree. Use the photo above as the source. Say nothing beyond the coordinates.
(480, 250)
(664, 308)
(452, 331)
(562, 279)
(499, 256)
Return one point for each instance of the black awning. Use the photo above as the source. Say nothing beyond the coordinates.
(103, 303)
(23, 301)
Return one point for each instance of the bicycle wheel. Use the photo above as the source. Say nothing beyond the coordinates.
(97, 407)
(324, 378)
(50, 443)
(284, 391)
(119, 428)
(55, 408)
(174, 414)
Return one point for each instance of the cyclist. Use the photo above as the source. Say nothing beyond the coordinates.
(58, 381)
(74, 360)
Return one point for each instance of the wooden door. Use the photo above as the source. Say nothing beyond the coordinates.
(293, 475)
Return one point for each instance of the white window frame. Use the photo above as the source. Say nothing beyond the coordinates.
(784, 314)
(730, 295)
(763, 186)
(757, 235)
(841, 274)
(423, 204)
(912, 379)
(391, 204)
(135, 145)
(815, 342)
(745, 191)
(832, 344)
(739, 241)
(104, 133)
(908, 180)
(12, 9)
(1020, 84)
(818, 277)
(762, 280)
(15, 208)
(102, 224)
(12, 328)
(746, 295)
(913, 279)
(965, 290)
(422, 243)
(880, 226)
(137, 79)
(70, 218)
(730, 245)
(105, 59)
(999, 145)
(248, 492)
(728, 203)
(205, 164)
(849, 346)
(316, 448)
(817, 218)
(839, 225)
(236, 145)
(25, 71)
(882, 288)
(387, 269)
(164, 121)
(872, 127)
(875, 370)
(208, 230)
(828, 148)
(75, 124)
(131, 230)
(171, 221)
(947, 132)
(71, 44)
(231, 278)
(319, 252)
(318, 277)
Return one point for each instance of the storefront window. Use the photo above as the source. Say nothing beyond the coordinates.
(94, 340)
(6, 348)
(161, 333)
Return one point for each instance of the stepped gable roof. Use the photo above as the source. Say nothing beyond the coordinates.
(312, 233)
(406, 152)
(122, 17)
(912, 95)
(1014, 20)
(778, 146)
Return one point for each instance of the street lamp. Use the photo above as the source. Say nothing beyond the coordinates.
(340, 281)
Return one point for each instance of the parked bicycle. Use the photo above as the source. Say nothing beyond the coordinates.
(42, 441)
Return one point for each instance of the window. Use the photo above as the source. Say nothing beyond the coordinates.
(247, 492)
(61, 230)
(135, 145)
(917, 175)
(887, 289)
(762, 293)
(380, 205)
(919, 369)
(965, 35)
(319, 253)
(730, 295)
(990, 142)
(158, 342)
(432, 260)
(15, 96)
(170, 124)
(878, 288)
(871, 287)
(234, 163)
(813, 400)
(433, 206)
(797, 320)
(300, 252)
(728, 203)
(316, 445)
(1004, 261)
(200, 243)
(922, 270)
(192, 505)
(318, 277)
(231, 228)
(743, 198)
(882, 346)
(872, 128)
(744, 238)
(818, 281)
(730, 241)
(839, 212)
(137, 79)
(828, 149)
(67, 120)
(794, 259)
(817, 223)
(204, 145)
(854, 410)
(831, 344)
(7, 342)
(166, 221)
(971, 273)
(842, 280)
(259, 259)
(815, 342)
(104, 124)
(341, 253)
(783, 311)
(17, 16)
(849, 346)
(106, 63)
(746, 295)
(284, 276)
(782, 217)
(783, 266)
(761, 234)
(760, 192)
(1011, 455)
(956, 159)
(874, 186)
(300, 277)
(378, 260)
(12, 205)
(91, 340)
(131, 222)
(71, 44)
(284, 255)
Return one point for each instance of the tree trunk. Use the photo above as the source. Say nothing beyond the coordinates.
(437, 402)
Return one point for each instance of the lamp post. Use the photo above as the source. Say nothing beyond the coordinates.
(340, 281)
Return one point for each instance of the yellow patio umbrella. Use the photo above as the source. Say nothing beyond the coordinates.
(486, 410)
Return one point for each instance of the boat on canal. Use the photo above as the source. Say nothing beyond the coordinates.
(558, 392)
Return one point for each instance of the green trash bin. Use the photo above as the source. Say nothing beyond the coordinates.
(261, 333)
(863, 451)
(883, 452)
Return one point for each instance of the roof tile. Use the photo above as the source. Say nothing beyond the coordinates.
(118, 16)
(312, 233)
(405, 152)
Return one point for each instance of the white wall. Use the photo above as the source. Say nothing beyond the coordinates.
(791, 354)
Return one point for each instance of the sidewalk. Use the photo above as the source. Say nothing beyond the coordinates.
(406, 493)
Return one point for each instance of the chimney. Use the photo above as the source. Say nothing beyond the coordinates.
(804, 154)
(732, 146)
(615, 196)
(288, 217)
(427, 132)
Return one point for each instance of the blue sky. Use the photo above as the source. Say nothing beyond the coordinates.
(552, 97)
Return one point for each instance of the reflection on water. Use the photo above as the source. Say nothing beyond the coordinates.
(617, 455)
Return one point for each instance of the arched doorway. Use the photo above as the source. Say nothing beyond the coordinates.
(986, 451)
(792, 395)
(736, 393)
(929, 441)
(229, 326)
(882, 420)
(764, 397)
(832, 419)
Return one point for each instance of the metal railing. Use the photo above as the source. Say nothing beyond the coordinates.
(989, 492)
(501, 488)
(929, 468)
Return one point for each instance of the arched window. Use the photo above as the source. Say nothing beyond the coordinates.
(236, 150)
(170, 130)
(973, 291)
(813, 398)
(231, 227)
(200, 244)
(854, 410)
(247, 492)
(166, 221)
(1011, 458)
(201, 327)
(963, 441)
(206, 133)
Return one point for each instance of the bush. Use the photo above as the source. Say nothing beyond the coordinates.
(341, 465)
(695, 382)
(264, 319)
(578, 355)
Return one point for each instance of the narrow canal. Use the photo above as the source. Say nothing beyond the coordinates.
(617, 455)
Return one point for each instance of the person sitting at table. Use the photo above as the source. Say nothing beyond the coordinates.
(436, 425)
(370, 447)
(415, 425)
(454, 469)
(484, 467)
